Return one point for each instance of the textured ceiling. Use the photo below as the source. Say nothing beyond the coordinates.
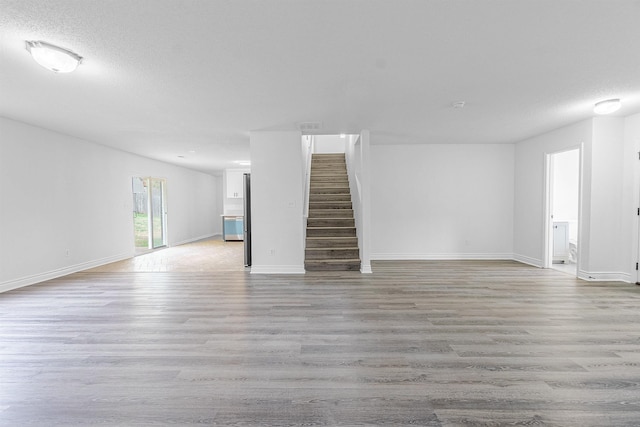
(163, 77)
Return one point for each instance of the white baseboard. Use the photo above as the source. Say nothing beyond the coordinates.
(528, 260)
(602, 276)
(195, 239)
(277, 269)
(366, 269)
(439, 257)
(48, 275)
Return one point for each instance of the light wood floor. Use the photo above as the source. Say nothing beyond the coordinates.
(416, 343)
(211, 254)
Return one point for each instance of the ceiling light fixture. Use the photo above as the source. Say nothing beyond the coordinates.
(607, 107)
(52, 57)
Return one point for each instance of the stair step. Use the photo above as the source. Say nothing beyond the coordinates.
(329, 204)
(316, 185)
(329, 178)
(332, 265)
(331, 231)
(329, 190)
(331, 242)
(328, 167)
(330, 222)
(315, 158)
(345, 197)
(331, 213)
(332, 253)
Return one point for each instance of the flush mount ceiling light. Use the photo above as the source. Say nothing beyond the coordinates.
(52, 57)
(607, 107)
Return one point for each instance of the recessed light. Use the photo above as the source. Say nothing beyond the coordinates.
(607, 107)
(191, 151)
(54, 58)
(343, 136)
(458, 104)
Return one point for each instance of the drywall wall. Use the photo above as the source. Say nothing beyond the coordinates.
(607, 254)
(438, 201)
(277, 176)
(529, 197)
(605, 223)
(631, 195)
(329, 144)
(66, 204)
(357, 155)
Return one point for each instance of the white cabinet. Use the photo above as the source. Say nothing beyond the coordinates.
(560, 241)
(235, 185)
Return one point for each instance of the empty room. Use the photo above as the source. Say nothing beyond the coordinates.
(302, 212)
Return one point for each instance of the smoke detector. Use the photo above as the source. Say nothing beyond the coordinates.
(458, 105)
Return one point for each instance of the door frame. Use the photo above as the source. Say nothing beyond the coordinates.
(547, 258)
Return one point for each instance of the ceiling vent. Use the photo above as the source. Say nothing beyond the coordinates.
(310, 126)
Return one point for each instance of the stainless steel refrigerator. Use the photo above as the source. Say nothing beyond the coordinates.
(247, 219)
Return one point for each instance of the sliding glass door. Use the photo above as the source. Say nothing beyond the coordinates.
(158, 217)
(149, 213)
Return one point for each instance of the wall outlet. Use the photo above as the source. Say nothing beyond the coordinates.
(67, 252)
(272, 252)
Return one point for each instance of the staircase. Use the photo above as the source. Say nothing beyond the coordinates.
(332, 244)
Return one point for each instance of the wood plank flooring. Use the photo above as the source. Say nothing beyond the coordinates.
(416, 343)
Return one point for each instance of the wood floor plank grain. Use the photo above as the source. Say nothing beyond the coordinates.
(450, 343)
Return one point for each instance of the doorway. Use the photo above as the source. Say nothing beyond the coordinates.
(149, 214)
(563, 211)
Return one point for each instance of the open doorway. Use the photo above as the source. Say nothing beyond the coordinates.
(149, 214)
(563, 177)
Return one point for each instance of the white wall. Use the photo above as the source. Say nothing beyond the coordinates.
(329, 144)
(529, 206)
(357, 155)
(277, 176)
(66, 204)
(605, 244)
(631, 193)
(606, 252)
(439, 201)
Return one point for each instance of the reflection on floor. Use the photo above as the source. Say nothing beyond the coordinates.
(204, 255)
(569, 268)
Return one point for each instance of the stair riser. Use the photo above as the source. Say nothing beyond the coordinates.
(328, 168)
(345, 253)
(329, 190)
(329, 178)
(337, 185)
(328, 205)
(331, 222)
(329, 183)
(330, 197)
(319, 266)
(331, 213)
(331, 232)
(332, 242)
(335, 160)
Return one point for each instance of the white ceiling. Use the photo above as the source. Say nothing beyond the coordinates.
(162, 77)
